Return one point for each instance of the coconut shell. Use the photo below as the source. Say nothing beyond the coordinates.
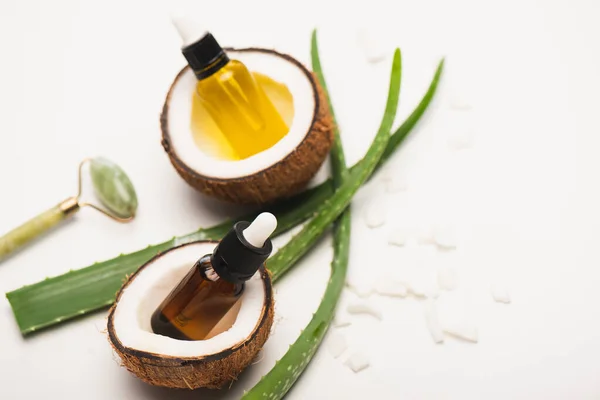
(213, 371)
(285, 177)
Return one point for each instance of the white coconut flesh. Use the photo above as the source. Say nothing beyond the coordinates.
(275, 67)
(154, 282)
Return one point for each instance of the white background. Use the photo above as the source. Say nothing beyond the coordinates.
(79, 79)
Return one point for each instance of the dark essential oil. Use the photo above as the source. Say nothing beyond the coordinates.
(207, 300)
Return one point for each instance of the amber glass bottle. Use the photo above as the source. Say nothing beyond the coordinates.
(207, 300)
(197, 305)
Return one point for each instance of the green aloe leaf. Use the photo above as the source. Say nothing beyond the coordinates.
(327, 212)
(287, 370)
(78, 292)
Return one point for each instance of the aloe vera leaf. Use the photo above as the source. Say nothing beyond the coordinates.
(81, 291)
(338, 160)
(33, 305)
(327, 212)
(287, 370)
(402, 132)
(29, 230)
(113, 187)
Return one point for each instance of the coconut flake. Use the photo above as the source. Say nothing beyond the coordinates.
(396, 183)
(461, 140)
(500, 293)
(463, 330)
(459, 103)
(422, 286)
(336, 344)
(372, 48)
(447, 277)
(395, 179)
(398, 237)
(341, 321)
(391, 288)
(444, 236)
(425, 236)
(357, 362)
(364, 308)
(432, 321)
(375, 214)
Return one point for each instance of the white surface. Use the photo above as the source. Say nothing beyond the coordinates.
(396, 184)
(465, 330)
(361, 288)
(375, 214)
(447, 277)
(444, 236)
(76, 81)
(398, 237)
(154, 283)
(337, 344)
(363, 308)
(260, 229)
(389, 287)
(341, 320)
(432, 320)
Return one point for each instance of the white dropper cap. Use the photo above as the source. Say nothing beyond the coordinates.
(260, 229)
(189, 30)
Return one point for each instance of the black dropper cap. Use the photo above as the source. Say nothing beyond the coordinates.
(205, 56)
(235, 259)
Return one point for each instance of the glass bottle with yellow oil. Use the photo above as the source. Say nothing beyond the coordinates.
(207, 300)
(245, 115)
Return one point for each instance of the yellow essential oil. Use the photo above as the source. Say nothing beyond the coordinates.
(235, 101)
(209, 137)
(279, 94)
(241, 110)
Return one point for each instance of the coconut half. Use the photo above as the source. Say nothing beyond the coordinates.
(167, 362)
(278, 172)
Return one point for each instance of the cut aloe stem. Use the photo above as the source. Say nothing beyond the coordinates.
(282, 377)
(75, 293)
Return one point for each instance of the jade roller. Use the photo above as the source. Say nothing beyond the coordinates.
(112, 187)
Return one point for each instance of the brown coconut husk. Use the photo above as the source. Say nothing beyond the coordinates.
(212, 371)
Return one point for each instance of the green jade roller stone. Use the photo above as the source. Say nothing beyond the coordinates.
(113, 187)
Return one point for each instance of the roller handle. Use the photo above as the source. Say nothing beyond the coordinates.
(36, 226)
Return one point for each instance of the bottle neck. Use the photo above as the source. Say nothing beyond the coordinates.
(208, 273)
(211, 68)
(205, 56)
(234, 259)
